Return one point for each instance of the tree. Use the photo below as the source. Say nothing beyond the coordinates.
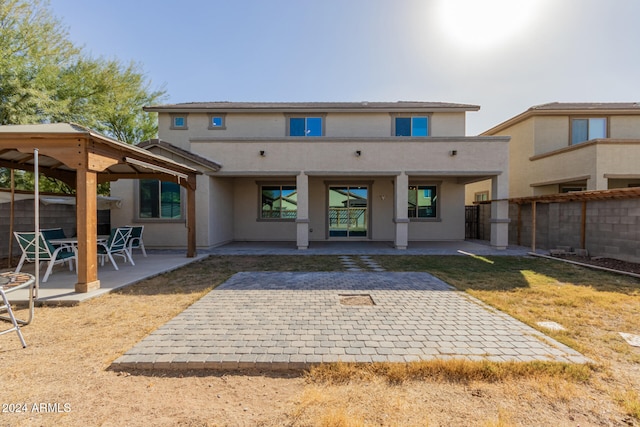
(33, 49)
(44, 78)
(107, 96)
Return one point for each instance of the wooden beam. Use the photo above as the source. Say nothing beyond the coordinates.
(68, 177)
(87, 229)
(99, 163)
(110, 177)
(69, 152)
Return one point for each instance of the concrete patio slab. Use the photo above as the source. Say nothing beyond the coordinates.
(60, 288)
(285, 320)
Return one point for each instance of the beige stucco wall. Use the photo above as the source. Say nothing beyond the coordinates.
(549, 133)
(221, 211)
(617, 159)
(521, 148)
(389, 155)
(539, 135)
(624, 127)
(476, 187)
(448, 124)
(161, 234)
(451, 223)
(231, 196)
(562, 167)
(274, 125)
(247, 226)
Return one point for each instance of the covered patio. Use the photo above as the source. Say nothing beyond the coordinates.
(82, 159)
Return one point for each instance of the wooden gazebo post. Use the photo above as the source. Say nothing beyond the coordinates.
(86, 206)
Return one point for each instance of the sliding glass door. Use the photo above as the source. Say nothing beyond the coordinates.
(348, 211)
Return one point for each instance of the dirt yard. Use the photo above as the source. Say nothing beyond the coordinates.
(63, 377)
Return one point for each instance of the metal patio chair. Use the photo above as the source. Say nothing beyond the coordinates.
(135, 239)
(10, 282)
(46, 252)
(116, 245)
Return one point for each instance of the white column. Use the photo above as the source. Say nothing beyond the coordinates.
(302, 219)
(500, 212)
(400, 198)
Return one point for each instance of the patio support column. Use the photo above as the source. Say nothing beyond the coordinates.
(302, 218)
(401, 219)
(500, 212)
(191, 218)
(87, 229)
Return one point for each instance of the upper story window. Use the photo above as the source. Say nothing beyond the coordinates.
(217, 121)
(481, 196)
(306, 126)
(179, 121)
(423, 201)
(412, 126)
(159, 200)
(587, 129)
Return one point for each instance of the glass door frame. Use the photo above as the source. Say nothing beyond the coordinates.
(368, 185)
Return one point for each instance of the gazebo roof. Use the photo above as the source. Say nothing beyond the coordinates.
(83, 158)
(132, 161)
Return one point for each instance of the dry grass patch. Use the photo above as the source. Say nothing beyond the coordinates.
(71, 348)
(452, 371)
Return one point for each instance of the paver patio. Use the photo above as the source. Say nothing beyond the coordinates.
(285, 320)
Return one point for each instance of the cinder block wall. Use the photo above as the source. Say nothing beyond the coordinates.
(51, 216)
(612, 227)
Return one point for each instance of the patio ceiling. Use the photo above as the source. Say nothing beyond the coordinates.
(82, 159)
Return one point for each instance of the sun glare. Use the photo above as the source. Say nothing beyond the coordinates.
(485, 23)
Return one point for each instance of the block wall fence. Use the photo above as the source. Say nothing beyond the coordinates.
(612, 226)
(51, 216)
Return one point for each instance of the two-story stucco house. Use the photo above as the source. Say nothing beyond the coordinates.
(309, 172)
(562, 147)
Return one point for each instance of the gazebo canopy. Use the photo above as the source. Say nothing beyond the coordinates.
(83, 158)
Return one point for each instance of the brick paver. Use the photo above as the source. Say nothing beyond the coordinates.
(280, 320)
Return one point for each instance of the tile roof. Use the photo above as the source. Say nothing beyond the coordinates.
(567, 108)
(180, 152)
(403, 106)
(587, 106)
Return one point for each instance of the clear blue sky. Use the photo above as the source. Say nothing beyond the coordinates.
(491, 53)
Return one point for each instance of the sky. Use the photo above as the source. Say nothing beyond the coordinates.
(503, 55)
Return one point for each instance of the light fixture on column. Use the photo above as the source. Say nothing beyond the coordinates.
(453, 153)
(358, 153)
(263, 153)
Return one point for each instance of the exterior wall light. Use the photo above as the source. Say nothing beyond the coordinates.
(263, 153)
(453, 152)
(358, 153)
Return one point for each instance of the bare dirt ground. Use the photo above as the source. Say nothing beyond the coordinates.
(63, 377)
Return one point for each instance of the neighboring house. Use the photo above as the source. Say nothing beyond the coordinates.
(305, 172)
(563, 147)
